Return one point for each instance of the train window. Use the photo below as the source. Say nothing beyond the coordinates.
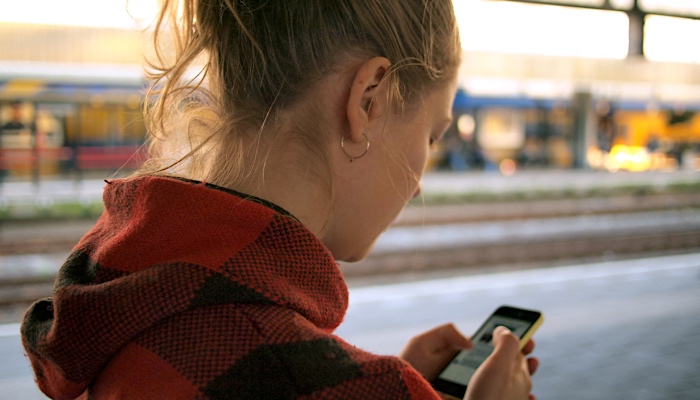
(110, 124)
(133, 126)
(16, 120)
(501, 133)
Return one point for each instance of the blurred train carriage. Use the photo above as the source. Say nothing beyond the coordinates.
(506, 133)
(70, 120)
(81, 118)
(502, 132)
(651, 137)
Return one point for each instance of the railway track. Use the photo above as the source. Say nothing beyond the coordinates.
(22, 291)
(526, 253)
(451, 237)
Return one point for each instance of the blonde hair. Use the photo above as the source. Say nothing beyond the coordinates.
(237, 64)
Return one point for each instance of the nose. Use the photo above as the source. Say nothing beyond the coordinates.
(418, 190)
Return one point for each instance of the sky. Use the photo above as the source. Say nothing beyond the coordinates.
(485, 25)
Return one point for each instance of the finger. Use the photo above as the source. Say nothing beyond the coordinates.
(453, 338)
(532, 365)
(506, 344)
(529, 347)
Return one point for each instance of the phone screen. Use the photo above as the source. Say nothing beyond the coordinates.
(454, 378)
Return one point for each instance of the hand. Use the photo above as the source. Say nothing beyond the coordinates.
(505, 374)
(429, 352)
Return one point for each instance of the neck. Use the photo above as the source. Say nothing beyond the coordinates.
(286, 175)
(292, 159)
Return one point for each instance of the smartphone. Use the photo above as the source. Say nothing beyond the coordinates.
(452, 381)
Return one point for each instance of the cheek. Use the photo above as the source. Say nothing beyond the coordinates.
(406, 156)
(411, 170)
(418, 159)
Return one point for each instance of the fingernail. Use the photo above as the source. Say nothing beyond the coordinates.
(502, 330)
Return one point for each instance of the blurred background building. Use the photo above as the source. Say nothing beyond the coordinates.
(604, 84)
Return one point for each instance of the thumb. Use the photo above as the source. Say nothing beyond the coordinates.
(498, 377)
(506, 344)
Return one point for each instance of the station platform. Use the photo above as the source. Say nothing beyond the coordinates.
(480, 229)
(563, 181)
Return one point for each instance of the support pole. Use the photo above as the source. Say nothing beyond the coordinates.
(583, 128)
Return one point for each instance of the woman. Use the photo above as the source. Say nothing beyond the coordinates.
(286, 135)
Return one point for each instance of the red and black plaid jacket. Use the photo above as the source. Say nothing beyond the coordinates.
(183, 290)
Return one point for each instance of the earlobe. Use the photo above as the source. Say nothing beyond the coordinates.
(363, 102)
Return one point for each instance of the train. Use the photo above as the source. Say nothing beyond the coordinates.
(516, 132)
(71, 120)
(76, 121)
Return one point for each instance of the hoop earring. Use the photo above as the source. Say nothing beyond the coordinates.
(342, 146)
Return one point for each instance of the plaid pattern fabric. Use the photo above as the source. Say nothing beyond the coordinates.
(184, 290)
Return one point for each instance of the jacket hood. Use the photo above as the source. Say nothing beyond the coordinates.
(164, 246)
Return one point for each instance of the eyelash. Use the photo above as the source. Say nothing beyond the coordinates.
(432, 143)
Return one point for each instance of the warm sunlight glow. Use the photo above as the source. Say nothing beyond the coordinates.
(485, 25)
(672, 39)
(537, 29)
(93, 13)
(691, 7)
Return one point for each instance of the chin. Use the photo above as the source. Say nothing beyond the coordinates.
(356, 255)
(354, 258)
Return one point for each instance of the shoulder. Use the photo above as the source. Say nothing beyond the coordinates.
(254, 352)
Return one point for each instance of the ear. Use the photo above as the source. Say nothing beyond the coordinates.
(363, 102)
